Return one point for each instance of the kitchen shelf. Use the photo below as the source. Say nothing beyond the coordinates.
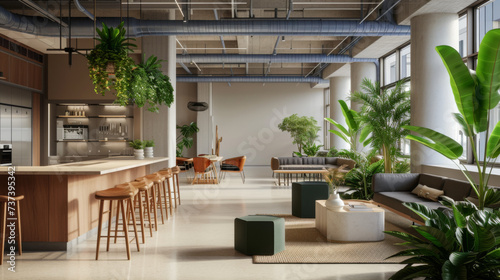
(111, 116)
(72, 140)
(94, 117)
(109, 140)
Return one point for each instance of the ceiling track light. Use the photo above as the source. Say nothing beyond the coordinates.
(44, 12)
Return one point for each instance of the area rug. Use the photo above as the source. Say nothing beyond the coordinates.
(305, 244)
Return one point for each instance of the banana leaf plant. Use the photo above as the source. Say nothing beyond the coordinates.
(475, 93)
(353, 131)
(463, 244)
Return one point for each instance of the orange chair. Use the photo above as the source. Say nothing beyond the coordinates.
(202, 167)
(235, 164)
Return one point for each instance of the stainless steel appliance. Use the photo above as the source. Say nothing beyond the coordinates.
(5, 154)
(75, 132)
(21, 136)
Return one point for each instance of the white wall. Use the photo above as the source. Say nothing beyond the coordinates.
(248, 115)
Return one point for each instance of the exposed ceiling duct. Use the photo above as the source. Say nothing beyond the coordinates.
(249, 79)
(269, 58)
(84, 27)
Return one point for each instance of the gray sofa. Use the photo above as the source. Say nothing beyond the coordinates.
(391, 190)
(309, 163)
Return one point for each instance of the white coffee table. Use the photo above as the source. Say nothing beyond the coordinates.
(350, 226)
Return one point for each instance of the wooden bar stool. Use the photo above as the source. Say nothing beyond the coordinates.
(6, 202)
(118, 194)
(175, 171)
(156, 196)
(167, 174)
(142, 187)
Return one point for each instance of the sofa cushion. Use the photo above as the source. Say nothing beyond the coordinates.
(387, 182)
(290, 160)
(313, 161)
(426, 192)
(432, 181)
(456, 189)
(331, 160)
(395, 201)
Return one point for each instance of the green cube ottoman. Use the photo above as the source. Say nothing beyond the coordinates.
(304, 196)
(259, 235)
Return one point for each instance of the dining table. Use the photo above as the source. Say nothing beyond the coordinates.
(215, 161)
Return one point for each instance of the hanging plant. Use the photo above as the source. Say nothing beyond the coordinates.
(111, 54)
(149, 85)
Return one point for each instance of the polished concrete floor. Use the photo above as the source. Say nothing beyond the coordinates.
(196, 243)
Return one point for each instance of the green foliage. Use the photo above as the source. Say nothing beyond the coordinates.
(310, 149)
(132, 84)
(401, 166)
(136, 144)
(384, 114)
(111, 51)
(359, 179)
(475, 93)
(462, 245)
(149, 143)
(332, 152)
(150, 86)
(351, 134)
(304, 130)
(185, 138)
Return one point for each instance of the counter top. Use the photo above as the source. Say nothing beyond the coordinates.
(89, 167)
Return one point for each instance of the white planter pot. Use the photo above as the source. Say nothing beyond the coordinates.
(334, 202)
(139, 153)
(148, 152)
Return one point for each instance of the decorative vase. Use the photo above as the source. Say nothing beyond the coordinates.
(148, 152)
(139, 153)
(334, 202)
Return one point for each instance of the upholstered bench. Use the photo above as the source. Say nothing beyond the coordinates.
(304, 196)
(259, 235)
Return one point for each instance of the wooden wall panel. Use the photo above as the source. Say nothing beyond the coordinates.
(58, 208)
(4, 65)
(34, 206)
(35, 113)
(18, 71)
(35, 73)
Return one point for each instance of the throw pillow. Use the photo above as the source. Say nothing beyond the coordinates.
(428, 193)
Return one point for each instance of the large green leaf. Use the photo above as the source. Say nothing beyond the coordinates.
(349, 117)
(462, 84)
(463, 124)
(436, 141)
(338, 125)
(449, 271)
(435, 236)
(340, 134)
(423, 211)
(493, 146)
(488, 69)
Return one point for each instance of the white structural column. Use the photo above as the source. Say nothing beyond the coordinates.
(339, 90)
(205, 136)
(432, 101)
(161, 127)
(360, 71)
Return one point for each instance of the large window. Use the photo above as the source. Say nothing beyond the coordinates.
(326, 124)
(396, 67)
(405, 61)
(390, 69)
(487, 18)
(462, 35)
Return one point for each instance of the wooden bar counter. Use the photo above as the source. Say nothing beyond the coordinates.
(59, 208)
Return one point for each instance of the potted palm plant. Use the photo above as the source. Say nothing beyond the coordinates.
(138, 146)
(148, 148)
